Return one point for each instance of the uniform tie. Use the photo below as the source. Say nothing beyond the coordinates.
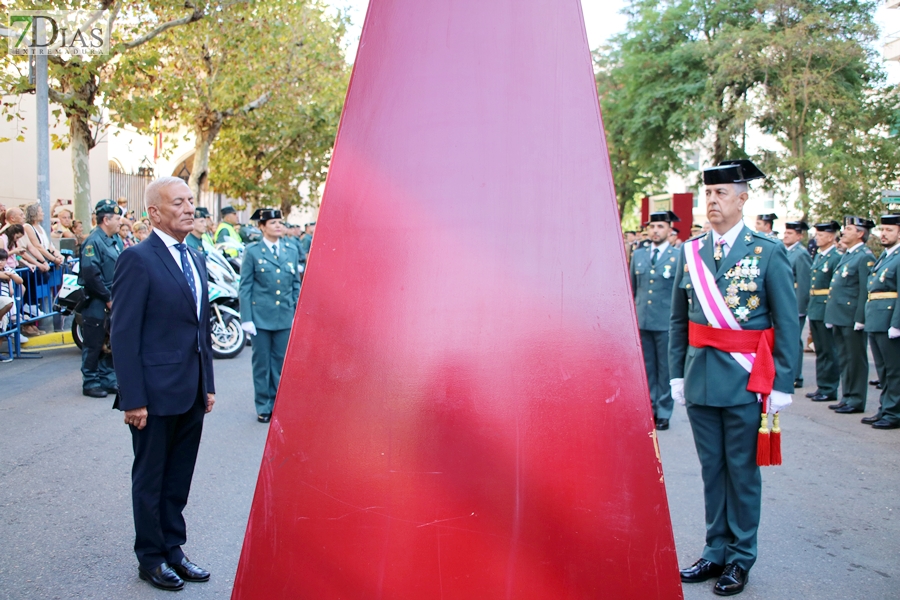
(188, 272)
(719, 253)
(654, 257)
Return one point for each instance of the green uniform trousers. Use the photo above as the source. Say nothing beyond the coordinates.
(827, 368)
(732, 486)
(854, 361)
(890, 379)
(798, 365)
(655, 345)
(878, 358)
(269, 347)
(97, 370)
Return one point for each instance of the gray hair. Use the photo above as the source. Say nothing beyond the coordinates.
(152, 195)
(740, 188)
(31, 212)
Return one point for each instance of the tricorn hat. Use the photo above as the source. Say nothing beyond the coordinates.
(664, 216)
(732, 171)
(798, 226)
(265, 214)
(890, 219)
(830, 226)
(859, 222)
(768, 217)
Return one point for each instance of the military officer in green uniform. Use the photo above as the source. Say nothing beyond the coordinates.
(270, 287)
(883, 323)
(845, 314)
(764, 224)
(743, 282)
(801, 264)
(199, 238)
(652, 273)
(823, 267)
(97, 266)
(226, 233)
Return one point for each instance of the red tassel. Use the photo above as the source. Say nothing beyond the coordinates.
(763, 450)
(775, 439)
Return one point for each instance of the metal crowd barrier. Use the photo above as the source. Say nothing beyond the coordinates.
(33, 303)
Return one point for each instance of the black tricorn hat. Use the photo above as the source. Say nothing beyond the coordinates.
(799, 226)
(859, 222)
(665, 216)
(265, 214)
(768, 217)
(830, 226)
(890, 219)
(732, 171)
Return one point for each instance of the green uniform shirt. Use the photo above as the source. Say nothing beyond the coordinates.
(270, 286)
(97, 266)
(651, 285)
(846, 303)
(882, 313)
(823, 267)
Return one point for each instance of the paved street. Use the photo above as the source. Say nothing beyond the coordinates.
(829, 531)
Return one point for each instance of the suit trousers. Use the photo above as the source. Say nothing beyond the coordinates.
(854, 360)
(725, 438)
(798, 365)
(165, 452)
(827, 368)
(890, 379)
(269, 347)
(655, 345)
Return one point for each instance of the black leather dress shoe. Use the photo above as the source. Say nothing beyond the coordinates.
(885, 424)
(190, 572)
(870, 420)
(162, 577)
(798, 383)
(700, 571)
(821, 398)
(732, 581)
(662, 424)
(875, 382)
(111, 391)
(264, 418)
(811, 394)
(836, 406)
(847, 410)
(94, 392)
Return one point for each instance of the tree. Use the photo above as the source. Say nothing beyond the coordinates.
(78, 83)
(250, 63)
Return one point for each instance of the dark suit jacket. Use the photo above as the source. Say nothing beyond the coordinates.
(154, 331)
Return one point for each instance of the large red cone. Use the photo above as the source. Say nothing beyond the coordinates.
(463, 412)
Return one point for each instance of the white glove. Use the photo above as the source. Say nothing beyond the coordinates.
(893, 333)
(249, 327)
(859, 326)
(828, 325)
(778, 401)
(678, 390)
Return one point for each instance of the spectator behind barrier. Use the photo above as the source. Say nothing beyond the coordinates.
(140, 232)
(8, 277)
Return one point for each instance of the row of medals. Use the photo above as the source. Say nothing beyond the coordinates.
(740, 278)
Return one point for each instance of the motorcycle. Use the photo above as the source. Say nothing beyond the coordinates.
(228, 339)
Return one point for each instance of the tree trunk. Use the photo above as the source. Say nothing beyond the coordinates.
(205, 132)
(80, 147)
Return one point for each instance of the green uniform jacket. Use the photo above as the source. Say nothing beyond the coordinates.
(760, 300)
(801, 263)
(99, 254)
(270, 287)
(882, 314)
(652, 287)
(195, 242)
(847, 296)
(823, 267)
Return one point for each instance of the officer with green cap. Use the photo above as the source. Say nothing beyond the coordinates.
(226, 233)
(801, 264)
(199, 238)
(652, 274)
(883, 323)
(845, 315)
(270, 287)
(823, 267)
(98, 261)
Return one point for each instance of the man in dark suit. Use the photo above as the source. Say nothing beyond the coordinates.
(162, 350)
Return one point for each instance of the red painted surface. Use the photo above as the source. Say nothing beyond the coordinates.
(464, 412)
(683, 207)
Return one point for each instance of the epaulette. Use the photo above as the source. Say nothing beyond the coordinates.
(765, 236)
(697, 237)
(250, 245)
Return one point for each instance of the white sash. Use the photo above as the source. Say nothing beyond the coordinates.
(711, 300)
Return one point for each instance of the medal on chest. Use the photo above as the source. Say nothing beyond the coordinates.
(845, 271)
(667, 272)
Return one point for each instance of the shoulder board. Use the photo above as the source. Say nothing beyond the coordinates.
(286, 245)
(765, 236)
(251, 245)
(696, 237)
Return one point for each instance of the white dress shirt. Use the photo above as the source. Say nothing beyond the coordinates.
(730, 237)
(170, 243)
